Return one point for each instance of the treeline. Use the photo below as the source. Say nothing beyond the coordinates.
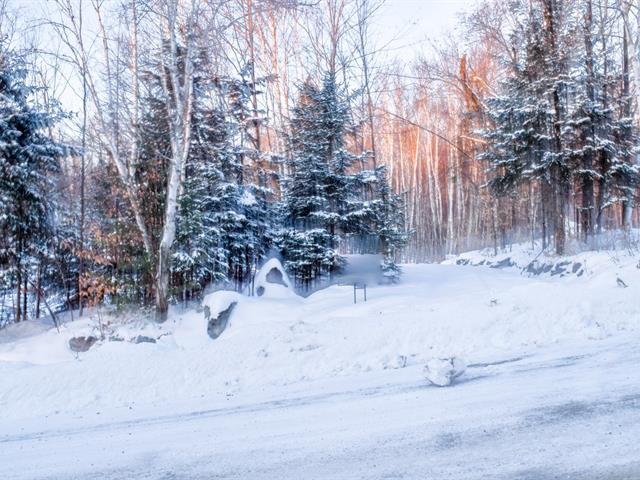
(194, 139)
(522, 127)
(173, 182)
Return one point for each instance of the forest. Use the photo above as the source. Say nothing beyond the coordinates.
(151, 150)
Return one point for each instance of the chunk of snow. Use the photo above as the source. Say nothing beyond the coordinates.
(248, 199)
(442, 371)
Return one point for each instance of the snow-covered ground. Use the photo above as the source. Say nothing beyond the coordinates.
(322, 388)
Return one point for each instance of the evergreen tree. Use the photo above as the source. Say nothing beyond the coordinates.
(525, 141)
(28, 159)
(225, 218)
(554, 123)
(327, 204)
(389, 225)
(315, 193)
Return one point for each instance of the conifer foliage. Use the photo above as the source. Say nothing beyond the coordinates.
(329, 197)
(28, 160)
(553, 125)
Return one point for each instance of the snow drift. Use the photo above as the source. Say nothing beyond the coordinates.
(438, 311)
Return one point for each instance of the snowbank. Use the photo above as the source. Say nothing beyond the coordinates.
(437, 311)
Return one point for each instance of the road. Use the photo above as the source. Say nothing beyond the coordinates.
(562, 412)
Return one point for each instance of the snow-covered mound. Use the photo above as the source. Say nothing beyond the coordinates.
(218, 308)
(528, 260)
(437, 311)
(442, 371)
(272, 281)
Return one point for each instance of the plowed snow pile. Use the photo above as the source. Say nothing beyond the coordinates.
(477, 313)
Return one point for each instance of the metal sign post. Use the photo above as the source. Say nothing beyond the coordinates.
(356, 288)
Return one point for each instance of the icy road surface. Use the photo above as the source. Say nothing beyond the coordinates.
(569, 411)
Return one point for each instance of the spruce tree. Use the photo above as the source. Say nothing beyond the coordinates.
(330, 203)
(225, 221)
(315, 194)
(29, 158)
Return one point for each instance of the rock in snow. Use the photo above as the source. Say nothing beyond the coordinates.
(442, 371)
(143, 339)
(81, 344)
(217, 324)
(218, 307)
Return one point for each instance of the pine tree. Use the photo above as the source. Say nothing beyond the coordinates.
(555, 122)
(315, 193)
(526, 143)
(389, 225)
(28, 160)
(257, 179)
(328, 203)
(225, 220)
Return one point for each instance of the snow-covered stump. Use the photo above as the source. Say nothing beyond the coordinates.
(442, 371)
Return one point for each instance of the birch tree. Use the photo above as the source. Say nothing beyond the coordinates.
(178, 61)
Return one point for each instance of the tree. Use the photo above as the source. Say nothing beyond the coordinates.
(226, 218)
(327, 205)
(29, 158)
(526, 142)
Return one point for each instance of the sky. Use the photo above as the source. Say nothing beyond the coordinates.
(411, 24)
(403, 29)
(413, 20)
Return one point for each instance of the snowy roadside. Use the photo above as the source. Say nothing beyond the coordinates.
(569, 411)
(481, 314)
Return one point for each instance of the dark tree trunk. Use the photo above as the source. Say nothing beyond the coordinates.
(18, 296)
(587, 211)
(38, 290)
(558, 180)
(25, 297)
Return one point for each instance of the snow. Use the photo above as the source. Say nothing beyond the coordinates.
(443, 371)
(318, 387)
(248, 199)
(271, 289)
(564, 412)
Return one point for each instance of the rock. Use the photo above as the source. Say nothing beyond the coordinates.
(216, 325)
(504, 263)
(442, 371)
(143, 339)
(82, 344)
(560, 268)
(217, 307)
(534, 268)
(276, 277)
